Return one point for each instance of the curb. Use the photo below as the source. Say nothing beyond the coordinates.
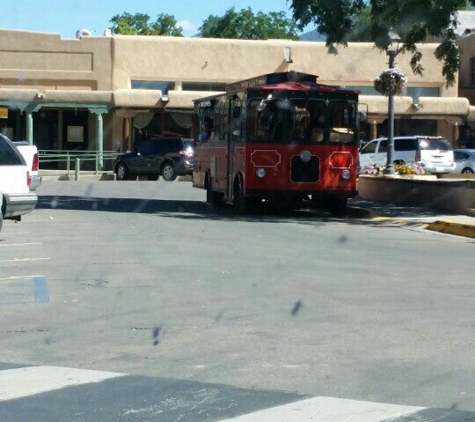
(358, 212)
(451, 227)
(95, 177)
(59, 176)
(402, 222)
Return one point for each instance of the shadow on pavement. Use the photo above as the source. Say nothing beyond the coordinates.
(190, 210)
(196, 210)
(439, 415)
(397, 211)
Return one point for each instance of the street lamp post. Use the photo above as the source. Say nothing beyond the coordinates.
(392, 53)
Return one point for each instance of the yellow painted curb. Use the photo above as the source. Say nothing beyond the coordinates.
(450, 227)
(401, 222)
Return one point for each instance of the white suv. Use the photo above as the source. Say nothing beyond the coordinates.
(433, 152)
(17, 199)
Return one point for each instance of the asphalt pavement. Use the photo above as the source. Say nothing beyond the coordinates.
(136, 301)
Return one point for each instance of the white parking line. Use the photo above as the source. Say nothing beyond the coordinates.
(18, 277)
(21, 244)
(23, 259)
(23, 382)
(329, 409)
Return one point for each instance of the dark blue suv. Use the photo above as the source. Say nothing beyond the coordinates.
(156, 156)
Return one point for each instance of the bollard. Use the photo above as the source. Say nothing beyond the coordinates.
(76, 169)
(68, 163)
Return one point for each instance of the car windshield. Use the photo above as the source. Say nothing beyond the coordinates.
(303, 121)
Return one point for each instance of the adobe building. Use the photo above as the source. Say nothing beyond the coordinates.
(103, 93)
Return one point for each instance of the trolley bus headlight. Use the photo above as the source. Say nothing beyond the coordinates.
(345, 174)
(305, 156)
(260, 172)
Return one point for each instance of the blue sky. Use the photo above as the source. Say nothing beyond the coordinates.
(67, 16)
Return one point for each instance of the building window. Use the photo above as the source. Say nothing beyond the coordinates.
(163, 86)
(411, 91)
(166, 86)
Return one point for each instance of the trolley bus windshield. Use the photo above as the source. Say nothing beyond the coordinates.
(302, 120)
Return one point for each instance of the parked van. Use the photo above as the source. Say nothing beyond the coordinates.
(433, 152)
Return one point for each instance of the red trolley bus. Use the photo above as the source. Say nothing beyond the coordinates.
(278, 137)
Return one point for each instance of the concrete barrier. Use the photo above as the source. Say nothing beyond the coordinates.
(453, 195)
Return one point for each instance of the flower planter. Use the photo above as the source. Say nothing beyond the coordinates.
(391, 82)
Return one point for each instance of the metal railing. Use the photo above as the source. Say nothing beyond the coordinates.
(79, 158)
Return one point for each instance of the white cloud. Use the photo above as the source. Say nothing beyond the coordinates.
(189, 28)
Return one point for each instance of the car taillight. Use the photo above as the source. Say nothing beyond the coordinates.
(418, 156)
(36, 163)
(187, 153)
(28, 178)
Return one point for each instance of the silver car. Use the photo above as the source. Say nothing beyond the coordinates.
(464, 161)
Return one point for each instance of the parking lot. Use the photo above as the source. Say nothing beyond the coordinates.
(144, 278)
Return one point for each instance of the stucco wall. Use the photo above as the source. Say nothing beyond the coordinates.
(45, 61)
(467, 46)
(445, 194)
(218, 60)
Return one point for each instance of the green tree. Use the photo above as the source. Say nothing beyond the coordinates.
(139, 24)
(414, 20)
(249, 26)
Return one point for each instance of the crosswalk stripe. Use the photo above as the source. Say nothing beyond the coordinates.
(329, 409)
(28, 381)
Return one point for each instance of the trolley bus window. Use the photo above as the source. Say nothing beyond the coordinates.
(271, 124)
(258, 122)
(309, 121)
(342, 122)
(221, 123)
(236, 122)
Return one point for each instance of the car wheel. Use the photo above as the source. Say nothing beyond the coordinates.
(467, 170)
(153, 176)
(168, 172)
(122, 172)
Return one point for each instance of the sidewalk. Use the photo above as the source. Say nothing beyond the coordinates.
(427, 218)
(83, 175)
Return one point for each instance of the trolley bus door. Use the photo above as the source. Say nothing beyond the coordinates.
(235, 140)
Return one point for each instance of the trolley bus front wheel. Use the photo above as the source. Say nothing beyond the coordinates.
(337, 206)
(240, 203)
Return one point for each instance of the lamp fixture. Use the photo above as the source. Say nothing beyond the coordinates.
(395, 41)
(288, 55)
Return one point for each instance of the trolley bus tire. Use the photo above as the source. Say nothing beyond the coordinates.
(337, 206)
(242, 204)
(215, 199)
